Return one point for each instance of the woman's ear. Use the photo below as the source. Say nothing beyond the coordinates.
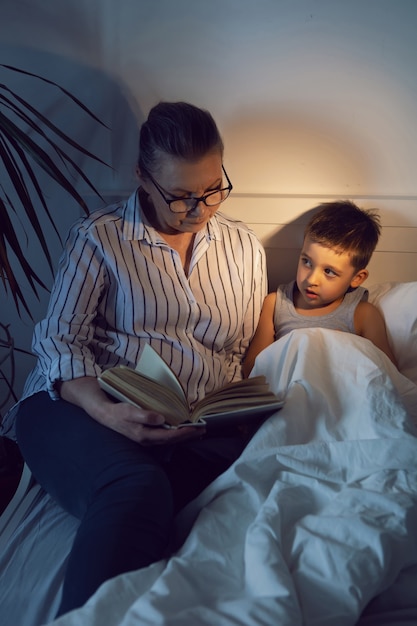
(359, 278)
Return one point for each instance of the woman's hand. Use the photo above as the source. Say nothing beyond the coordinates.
(137, 424)
(145, 426)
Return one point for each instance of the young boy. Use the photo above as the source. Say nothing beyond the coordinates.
(338, 243)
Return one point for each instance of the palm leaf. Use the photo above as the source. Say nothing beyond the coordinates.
(7, 234)
(15, 169)
(62, 89)
(31, 143)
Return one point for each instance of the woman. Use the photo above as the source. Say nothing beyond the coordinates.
(163, 268)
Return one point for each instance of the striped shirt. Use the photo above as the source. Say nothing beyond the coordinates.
(119, 286)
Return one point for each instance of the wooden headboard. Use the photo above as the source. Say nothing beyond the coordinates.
(279, 222)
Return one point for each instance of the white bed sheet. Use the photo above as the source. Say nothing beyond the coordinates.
(315, 522)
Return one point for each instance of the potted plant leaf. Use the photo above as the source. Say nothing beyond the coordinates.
(24, 133)
(33, 153)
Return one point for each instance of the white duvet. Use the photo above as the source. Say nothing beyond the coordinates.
(317, 517)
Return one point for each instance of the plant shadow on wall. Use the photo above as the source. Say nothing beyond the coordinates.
(24, 131)
(35, 154)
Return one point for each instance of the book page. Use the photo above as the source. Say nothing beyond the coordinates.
(153, 366)
(127, 385)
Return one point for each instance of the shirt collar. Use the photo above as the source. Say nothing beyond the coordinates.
(134, 224)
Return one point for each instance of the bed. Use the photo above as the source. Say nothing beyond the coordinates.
(315, 524)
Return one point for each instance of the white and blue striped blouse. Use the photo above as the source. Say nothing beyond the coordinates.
(119, 285)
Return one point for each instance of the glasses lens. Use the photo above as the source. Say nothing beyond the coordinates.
(189, 204)
(216, 197)
(181, 206)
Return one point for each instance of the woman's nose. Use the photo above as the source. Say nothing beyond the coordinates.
(198, 209)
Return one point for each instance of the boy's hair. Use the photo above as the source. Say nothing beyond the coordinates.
(179, 129)
(344, 226)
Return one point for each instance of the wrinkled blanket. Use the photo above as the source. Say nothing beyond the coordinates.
(313, 521)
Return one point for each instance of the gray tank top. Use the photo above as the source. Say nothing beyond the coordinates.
(287, 319)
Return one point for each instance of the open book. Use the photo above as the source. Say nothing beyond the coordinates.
(154, 386)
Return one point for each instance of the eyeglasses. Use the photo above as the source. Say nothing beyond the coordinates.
(188, 204)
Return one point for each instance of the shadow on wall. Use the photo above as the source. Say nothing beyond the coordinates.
(115, 145)
(393, 259)
(283, 249)
(110, 101)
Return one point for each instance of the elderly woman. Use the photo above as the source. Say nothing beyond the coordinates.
(163, 268)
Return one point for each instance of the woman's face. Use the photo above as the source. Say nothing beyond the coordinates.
(183, 179)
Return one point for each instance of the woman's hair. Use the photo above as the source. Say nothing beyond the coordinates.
(347, 228)
(178, 129)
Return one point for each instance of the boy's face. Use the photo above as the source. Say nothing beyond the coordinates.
(324, 275)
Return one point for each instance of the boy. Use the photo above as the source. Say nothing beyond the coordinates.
(338, 243)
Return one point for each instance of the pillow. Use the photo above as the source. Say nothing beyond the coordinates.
(398, 304)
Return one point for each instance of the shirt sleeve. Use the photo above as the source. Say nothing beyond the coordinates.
(61, 341)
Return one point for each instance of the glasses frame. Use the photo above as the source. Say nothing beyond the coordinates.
(197, 200)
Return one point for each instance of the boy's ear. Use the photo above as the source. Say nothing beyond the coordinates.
(359, 278)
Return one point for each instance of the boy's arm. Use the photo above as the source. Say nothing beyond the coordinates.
(264, 335)
(370, 324)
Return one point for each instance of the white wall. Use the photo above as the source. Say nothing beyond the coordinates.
(316, 99)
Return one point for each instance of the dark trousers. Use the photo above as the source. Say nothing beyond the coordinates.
(125, 494)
